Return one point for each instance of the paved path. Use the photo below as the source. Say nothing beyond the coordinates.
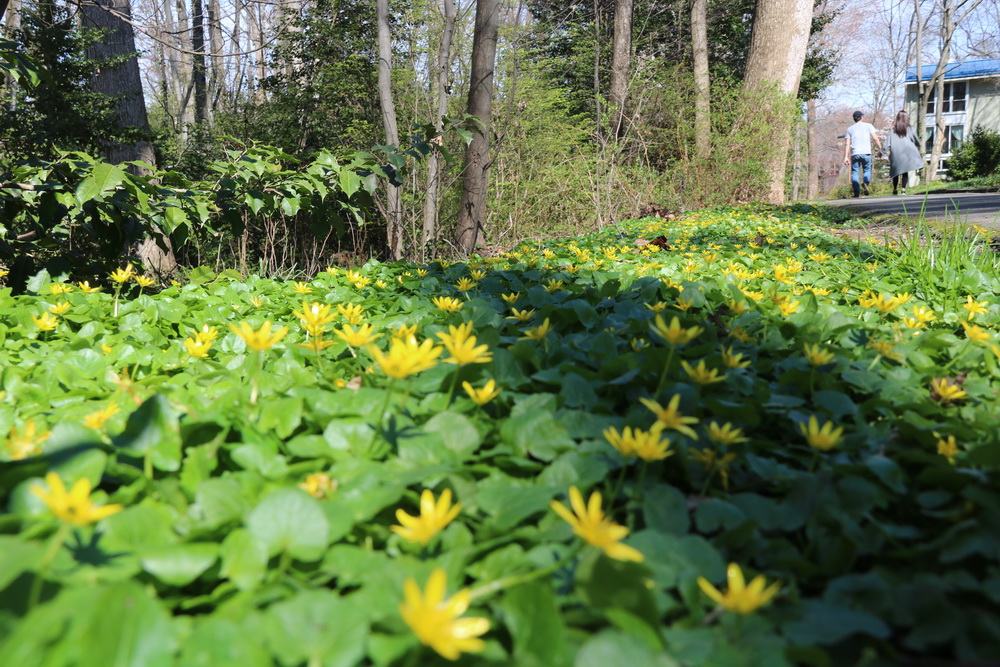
(981, 208)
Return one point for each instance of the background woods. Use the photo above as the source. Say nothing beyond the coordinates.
(587, 113)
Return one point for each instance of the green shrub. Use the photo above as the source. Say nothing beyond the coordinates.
(979, 156)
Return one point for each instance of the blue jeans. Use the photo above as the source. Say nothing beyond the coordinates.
(859, 162)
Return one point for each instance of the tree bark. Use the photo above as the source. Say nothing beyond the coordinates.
(198, 70)
(215, 42)
(440, 85)
(812, 189)
(777, 52)
(394, 206)
(621, 56)
(13, 23)
(471, 210)
(702, 95)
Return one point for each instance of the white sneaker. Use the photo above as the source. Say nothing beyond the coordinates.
(904, 191)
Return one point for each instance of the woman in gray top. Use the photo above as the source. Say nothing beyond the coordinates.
(904, 151)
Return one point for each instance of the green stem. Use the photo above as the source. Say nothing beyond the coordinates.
(812, 465)
(381, 414)
(708, 479)
(57, 542)
(454, 384)
(666, 368)
(147, 464)
(523, 578)
(258, 366)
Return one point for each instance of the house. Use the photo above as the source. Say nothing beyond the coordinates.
(971, 97)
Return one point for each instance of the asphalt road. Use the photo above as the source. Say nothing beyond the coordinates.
(981, 208)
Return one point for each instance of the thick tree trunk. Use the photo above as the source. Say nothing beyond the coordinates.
(440, 85)
(621, 56)
(218, 81)
(777, 52)
(394, 206)
(702, 95)
(198, 70)
(471, 209)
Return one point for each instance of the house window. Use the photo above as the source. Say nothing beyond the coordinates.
(953, 137)
(954, 98)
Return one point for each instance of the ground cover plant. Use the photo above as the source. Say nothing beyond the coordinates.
(730, 438)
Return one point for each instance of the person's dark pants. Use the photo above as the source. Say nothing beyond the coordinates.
(905, 176)
(859, 163)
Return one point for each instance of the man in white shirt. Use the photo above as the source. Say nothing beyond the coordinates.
(858, 152)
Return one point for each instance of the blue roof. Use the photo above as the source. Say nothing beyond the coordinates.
(969, 68)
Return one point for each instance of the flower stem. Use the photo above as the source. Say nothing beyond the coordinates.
(36, 586)
(454, 384)
(258, 366)
(381, 414)
(666, 369)
(524, 577)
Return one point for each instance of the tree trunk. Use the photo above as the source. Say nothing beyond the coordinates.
(477, 154)
(812, 189)
(621, 56)
(215, 42)
(777, 52)
(394, 207)
(13, 23)
(598, 111)
(123, 82)
(440, 85)
(702, 95)
(198, 70)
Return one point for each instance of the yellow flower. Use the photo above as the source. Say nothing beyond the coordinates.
(27, 442)
(359, 281)
(733, 360)
(975, 307)
(588, 521)
(256, 301)
(301, 288)
(684, 304)
(434, 619)
(675, 334)
(553, 285)
(885, 348)
(521, 315)
(59, 308)
(946, 391)
(122, 275)
(319, 485)
(142, 281)
(819, 256)
(511, 298)
(316, 344)
(824, 438)
(97, 419)
(405, 357)
(106, 349)
(405, 331)
(381, 284)
(259, 340)
(817, 356)
(946, 446)
(740, 598)
(639, 344)
(670, 416)
(702, 374)
(60, 288)
(972, 332)
(314, 317)
(461, 344)
(352, 312)
(484, 395)
(447, 303)
(86, 288)
(74, 507)
(923, 314)
(477, 274)
(657, 307)
(206, 335)
(332, 270)
(725, 434)
(539, 332)
(781, 274)
(465, 284)
(788, 307)
(197, 347)
(434, 516)
(47, 322)
(647, 445)
(709, 460)
(359, 337)
(422, 272)
(740, 334)
(548, 254)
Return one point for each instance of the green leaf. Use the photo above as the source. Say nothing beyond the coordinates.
(612, 647)
(457, 433)
(290, 520)
(153, 427)
(665, 509)
(828, 624)
(180, 564)
(16, 557)
(220, 642)
(607, 583)
(317, 627)
(103, 178)
(531, 615)
(282, 416)
(244, 559)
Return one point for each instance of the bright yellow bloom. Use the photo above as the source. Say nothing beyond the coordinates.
(670, 416)
(553, 285)
(122, 275)
(657, 307)
(733, 360)
(354, 313)
(314, 317)
(817, 356)
(539, 332)
(106, 349)
(422, 272)
(946, 391)
(588, 521)
(97, 419)
(548, 254)
(647, 445)
(702, 374)
(381, 284)
(434, 516)
(484, 395)
(477, 274)
(47, 322)
(885, 348)
(74, 507)
(461, 344)
(207, 334)
(319, 485)
(675, 334)
(302, 288)
(25, 442)
(923, 314)
(332, 270)
(975, 307)
(60, 288)
(788, 307)
(434, 619)
(709, 460)
(465, 284)
(819, 256)
(142, 281)
(86, 288)
(316, 344)
(740, 334)
(740, 598)
(684, 304)
(447, 303)
(781, 274)
(511, 298)
(197, 347)
(359, 281)
(59, 308)
(405, 331)
(726, 434)
(259, 340)
(405, 357)
(975, 333)
(946, 446)
(359, 337)
(824, 438)
(521, 315)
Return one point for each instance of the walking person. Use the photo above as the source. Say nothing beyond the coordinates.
(904, 151)
(858, 152)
